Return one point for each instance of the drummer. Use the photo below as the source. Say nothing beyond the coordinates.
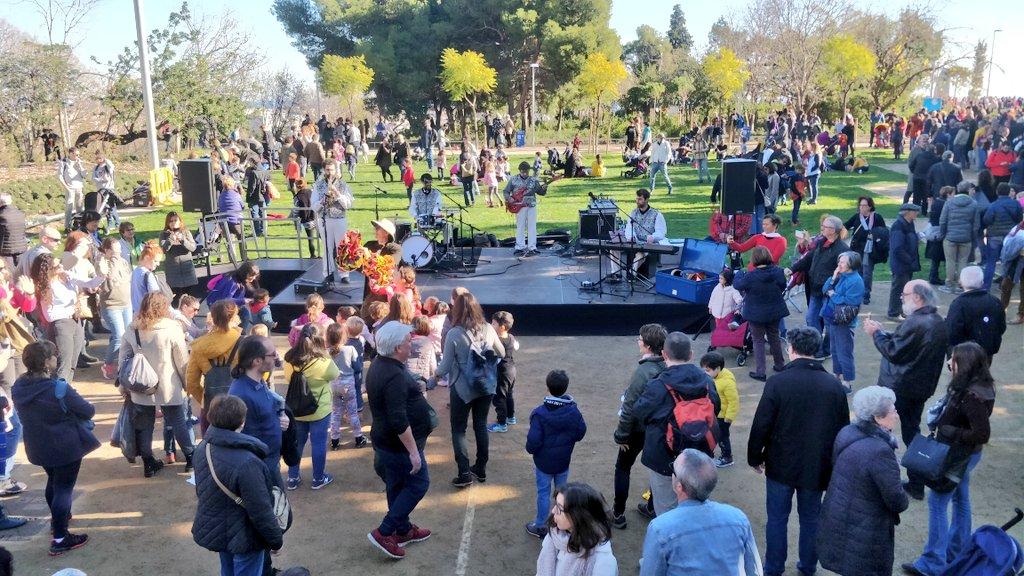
(426, 202)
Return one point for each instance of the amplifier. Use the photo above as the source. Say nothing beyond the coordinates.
(597, 225)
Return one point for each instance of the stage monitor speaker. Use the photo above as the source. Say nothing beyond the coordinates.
(595, 226)
(739, 176)
(195, 179)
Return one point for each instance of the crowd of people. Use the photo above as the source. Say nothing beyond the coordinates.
(676, 410)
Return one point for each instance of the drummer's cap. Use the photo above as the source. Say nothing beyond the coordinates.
(385, 225)
(426, 176)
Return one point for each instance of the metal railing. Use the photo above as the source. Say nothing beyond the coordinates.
(281, 237)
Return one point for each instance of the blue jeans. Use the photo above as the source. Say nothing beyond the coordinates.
(813, 319)
(468, 193)
(248, 564)
(779, 500)
(841, 347)
(116, 320)
(316, 432)
(796, 211)
(404, 490)
(756, 226)
(10, 445)
(661, 167)
(981, 155)
(190, 422)
(430, 158)
(946, 540)
(993, 246)
(812, 183)
(358, 376)
(545, 484)
(258, 212)
(867, 272)
(702, 171)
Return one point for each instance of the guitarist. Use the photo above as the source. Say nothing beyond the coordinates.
(521, 199)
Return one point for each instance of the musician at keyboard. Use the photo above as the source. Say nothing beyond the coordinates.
(645, 226)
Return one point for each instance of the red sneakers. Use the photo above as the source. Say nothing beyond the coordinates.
(415, 534)
(387, 544)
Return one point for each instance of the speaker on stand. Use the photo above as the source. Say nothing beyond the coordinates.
(195, 180)
(739, 184)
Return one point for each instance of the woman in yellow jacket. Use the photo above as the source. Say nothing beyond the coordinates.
(210, 348)
(311, 357)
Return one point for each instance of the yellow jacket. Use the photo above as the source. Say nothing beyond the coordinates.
(597, 169)
(213, 346)
(725, 383)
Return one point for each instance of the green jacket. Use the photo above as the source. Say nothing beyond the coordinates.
(319, 374)
(648, 369)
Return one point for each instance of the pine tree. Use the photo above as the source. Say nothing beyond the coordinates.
(678, 35)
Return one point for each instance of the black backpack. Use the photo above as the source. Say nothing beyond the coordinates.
(299, 398)
(217, 380)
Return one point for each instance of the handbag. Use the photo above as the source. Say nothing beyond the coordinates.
(279, 505)
(926, 458)
(844, 314)
(136, 374)
(932, 233)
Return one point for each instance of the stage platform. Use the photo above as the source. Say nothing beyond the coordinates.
(542, 292)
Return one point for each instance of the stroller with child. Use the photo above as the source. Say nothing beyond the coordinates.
(636, 167)
(733, 332)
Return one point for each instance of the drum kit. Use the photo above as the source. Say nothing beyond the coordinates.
(428, 240)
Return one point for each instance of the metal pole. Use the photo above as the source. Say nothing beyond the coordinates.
(991, 61)
(533, 102)
(147, 88)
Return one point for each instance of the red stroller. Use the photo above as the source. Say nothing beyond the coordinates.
(723, 337)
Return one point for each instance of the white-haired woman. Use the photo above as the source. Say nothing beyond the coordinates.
(864, 498)
(844, 293)
(819, 264)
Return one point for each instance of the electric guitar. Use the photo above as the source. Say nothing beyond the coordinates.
(516, 200)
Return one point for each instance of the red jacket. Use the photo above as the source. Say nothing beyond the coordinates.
(995, 162)
(776, 245)
(720, 226)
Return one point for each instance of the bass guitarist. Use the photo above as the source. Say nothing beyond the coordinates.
(521, 199)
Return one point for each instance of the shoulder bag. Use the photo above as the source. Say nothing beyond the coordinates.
(282, 510)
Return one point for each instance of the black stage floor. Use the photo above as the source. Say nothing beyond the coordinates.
(542, 292)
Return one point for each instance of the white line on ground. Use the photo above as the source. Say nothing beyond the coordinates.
(467, 534)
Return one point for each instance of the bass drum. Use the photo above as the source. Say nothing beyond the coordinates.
(417, 251)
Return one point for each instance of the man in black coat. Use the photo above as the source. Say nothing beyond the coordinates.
(655, 406)
(242, 533)
(801, 411)
(943, 173)
(912, 358)
(12, 231)
(904, 258)
(976, 315)
(919, 166)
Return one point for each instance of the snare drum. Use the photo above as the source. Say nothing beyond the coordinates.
(417, 250)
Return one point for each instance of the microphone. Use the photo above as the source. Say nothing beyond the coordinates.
(592, 197)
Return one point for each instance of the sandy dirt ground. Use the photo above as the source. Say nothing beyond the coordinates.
(140, 526)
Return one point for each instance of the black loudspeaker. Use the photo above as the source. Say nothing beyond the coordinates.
(596, 226)
(195, 179)
(738, 186)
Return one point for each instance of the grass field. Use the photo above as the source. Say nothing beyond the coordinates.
(686, 211)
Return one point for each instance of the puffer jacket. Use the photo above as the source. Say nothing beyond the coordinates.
(762, 290)
(1001, 216)
(220, 525)
(647, 370)
(862, 504)
(655, 405)
(960, 219)
(12, 231)
(913, 355)
(555, 428)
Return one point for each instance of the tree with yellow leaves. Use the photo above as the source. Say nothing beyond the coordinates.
(600, 81)
(464, 76)
(347, 78)
(847, 65)
(726, 74)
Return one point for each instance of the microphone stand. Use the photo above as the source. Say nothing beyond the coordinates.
(376, 201)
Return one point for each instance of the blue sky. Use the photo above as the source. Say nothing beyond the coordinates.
(112, 27)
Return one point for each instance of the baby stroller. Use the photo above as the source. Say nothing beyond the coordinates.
(991, 551)
(724, 337)
(637, 168)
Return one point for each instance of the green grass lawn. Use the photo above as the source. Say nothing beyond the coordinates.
(687, 210)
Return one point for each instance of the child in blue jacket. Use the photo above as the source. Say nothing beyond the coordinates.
(555, 428)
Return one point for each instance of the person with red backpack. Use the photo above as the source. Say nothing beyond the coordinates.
(801, 411)
(677, 409)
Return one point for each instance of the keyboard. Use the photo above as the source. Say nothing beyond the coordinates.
(629, 246)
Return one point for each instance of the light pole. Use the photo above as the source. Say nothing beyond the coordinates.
(991, 62)
(147, 88)
(533, 102)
